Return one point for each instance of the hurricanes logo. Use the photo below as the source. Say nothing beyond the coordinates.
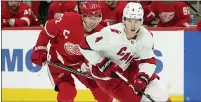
(72, 49)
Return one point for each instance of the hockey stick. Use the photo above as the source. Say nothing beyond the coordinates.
(196, 11)
(126, 80)
(78, 7)
(70, 69)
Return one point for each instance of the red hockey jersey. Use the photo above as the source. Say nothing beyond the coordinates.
(23, 17)
(59, 7)
(112, 15)
(65, 35)
(171, 14)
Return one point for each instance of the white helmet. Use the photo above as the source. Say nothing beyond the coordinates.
(133, 10)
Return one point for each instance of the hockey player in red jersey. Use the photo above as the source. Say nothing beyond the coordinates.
(65, 34)
(112, 10)
(149, 16)
(171, 13)
(17, 13)
(57, 8)
(125, 48)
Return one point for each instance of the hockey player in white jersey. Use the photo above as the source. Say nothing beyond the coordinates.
(126, 48)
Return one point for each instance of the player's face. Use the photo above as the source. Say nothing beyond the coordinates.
(13, 5)
(91, 22)
(111, 3)
(132, 26)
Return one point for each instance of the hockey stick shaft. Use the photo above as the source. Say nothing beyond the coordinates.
(70, 69)
(78, 7)
(126, 80)
(196, 11)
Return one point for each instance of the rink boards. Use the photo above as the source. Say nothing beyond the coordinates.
(23, 81)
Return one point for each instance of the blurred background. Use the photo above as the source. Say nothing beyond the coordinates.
(176, 26)
(49, 9)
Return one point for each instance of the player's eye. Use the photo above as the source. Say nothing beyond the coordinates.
(137, 20)
(130, 20)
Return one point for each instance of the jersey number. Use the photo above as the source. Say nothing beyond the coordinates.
(76, 9)
(27, 12)
(186, 10)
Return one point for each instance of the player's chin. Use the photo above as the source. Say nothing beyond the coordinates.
(89, 29)
(92, 27)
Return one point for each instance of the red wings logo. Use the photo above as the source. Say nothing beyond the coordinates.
(98, 39)
(72, 49)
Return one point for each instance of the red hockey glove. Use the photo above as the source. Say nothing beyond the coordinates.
(141, 81)
(108, 68)
(39, 55)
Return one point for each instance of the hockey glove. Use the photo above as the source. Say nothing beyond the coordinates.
(108, 68)
(39, 55)
(141, 81)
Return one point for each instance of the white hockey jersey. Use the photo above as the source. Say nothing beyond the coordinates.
(111, 42)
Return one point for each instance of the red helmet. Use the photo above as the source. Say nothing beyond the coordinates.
(90, 8)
